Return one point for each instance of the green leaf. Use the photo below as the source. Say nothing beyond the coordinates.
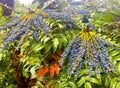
(46, 39)
(32, 70)
(1, 11)
(40, 85)
(48, 48)
(55, 44)
(107, 81)
(60, 25)
(113, 53)
(43, 38)
(11, 86)
(72, 84)
(81, 81)
(69, 36)
(113, 83)
(52, 82)
(94, 80)
(118, 66)
(56, 85)
(64, 40)
(60, 44)
(83, 72)
(117, 57)
(38, 47)
(87, 85)
(118, 85)
(63, 84)
(51, 25)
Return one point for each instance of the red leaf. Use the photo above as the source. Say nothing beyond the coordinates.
(42, 72)
(51, 71)
(56, 68)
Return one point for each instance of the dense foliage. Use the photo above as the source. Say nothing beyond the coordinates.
(61, 44)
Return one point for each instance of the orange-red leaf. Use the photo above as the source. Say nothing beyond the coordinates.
(52, 71)
(56, 68)
(42, 72)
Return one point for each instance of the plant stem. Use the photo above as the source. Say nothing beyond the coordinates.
(20, 81)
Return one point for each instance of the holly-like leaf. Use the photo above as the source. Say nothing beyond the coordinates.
(60, 25)
(55, 44)
(46, 39)
(113, 83)
(87, 85)
(83, 72)
(56, 68)
(52, 73)
(42, 72)
(82, 80)
(94, 80)
(118, 85)
(36, 47)
(32, 70)
(72, 84)
(63, 84)
(64, 41)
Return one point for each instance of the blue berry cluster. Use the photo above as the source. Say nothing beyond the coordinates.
(75, 3)
(92, 50)
(83, 12)
(16, 33)
(26, 25)
(58, 15)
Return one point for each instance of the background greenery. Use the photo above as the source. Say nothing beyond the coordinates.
(37, 55)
